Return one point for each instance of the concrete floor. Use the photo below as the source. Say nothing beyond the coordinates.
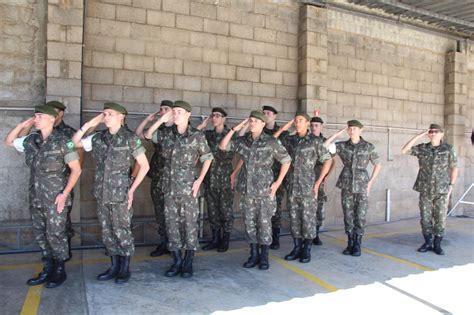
(390, 277)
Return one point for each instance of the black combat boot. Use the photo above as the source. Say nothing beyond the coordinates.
(224, 245)
(187, 268)
(45, 274)
(214, 243)
(124, 273)
(350, 244)
(317, 240)
(356, 251)
(306, 252)
(427, 245)
(437, 245)
(264, 264)
(113, 270)
(161, 249)
(175, 268)
(296, 252)
(275, 238)
(58, 277)
(253, 259)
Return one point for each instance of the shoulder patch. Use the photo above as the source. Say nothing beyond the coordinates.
(70, 144)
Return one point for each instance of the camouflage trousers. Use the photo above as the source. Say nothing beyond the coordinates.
(322, 198)
(49, 229)
(116, 222)
(158, 199)
(276, 218)
(303, 219)
(220, 207)
(69, 229)
(258, 213)
(355, 208)
(433, 211)
(181, 215)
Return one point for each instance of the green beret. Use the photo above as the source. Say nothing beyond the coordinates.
(436, 126)
(116, 107)
(270, 108)
(184, 105)
(166, 103)
(317, 120)
(56, 104)
(303, 114)
(219, 110)
(354, 123)
(48, 110)
(259, 115)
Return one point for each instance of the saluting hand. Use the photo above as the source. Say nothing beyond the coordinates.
(241, 125)
(341, 132)
(288, 125)
(28, 123)
(204, 123)
(94, 122)
(166, 117)
(152, 116)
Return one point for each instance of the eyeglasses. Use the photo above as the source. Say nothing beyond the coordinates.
(217, 115)
(433, 131)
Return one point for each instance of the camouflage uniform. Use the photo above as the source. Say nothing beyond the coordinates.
(181, 153)
(49, 173)
(433, 184)
(157, 165)
(305, 153)
(322, 197)
(218, 193)
(353, 181)
(114, 156)
(257, 177)
(276, 218)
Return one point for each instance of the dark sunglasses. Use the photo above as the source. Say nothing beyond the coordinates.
(217, 115)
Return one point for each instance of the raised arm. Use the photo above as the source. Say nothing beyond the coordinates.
(142, 125)
(203, 124)
(93, 123)
(15, 132)
(283, 128)
(407, 147)
(224, 142)
(331, 139)
(163, 119)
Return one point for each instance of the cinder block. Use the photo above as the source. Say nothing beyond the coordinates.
(253, 47)
(214, 56)
(287, 39)
(167, 94)
(53, 70)
(196, 98)
(260, 89)
(216, 27)
(286, 92)
(160, 18)
(65, 15)
(147, 32)
(188, 53)
(129, 14)
(264, 62)
(168, 65)
(140, 95)
(176, 6)
(74, 34)
(256, 20)
(222, 71)
(187, 83)
(265, 35)
(64, 51)
(276, 24)
(99, 43)
(244, 60)
(287, 65)
(290, 79)
(241, 31)
(214, 85)
(175, 36)
(159, 80)
(223, 100)
(130, 46)
(248, 74)
(106, 92)
(141, 63)
(380, 79)
(248, 102)
(203, 40)
(98, 75)
(231, 15)
(189, 22)
(55, 32)
(364, 77)
(240, 87)
(115, 28)
(196, 68)
(385, 91)
(100, 10)
(235, 44)
(74, 70)
(159, 49)
(276, 50)
(129, 78)
(274, 77)
(204, 10)
(63, 87)
(147, 4)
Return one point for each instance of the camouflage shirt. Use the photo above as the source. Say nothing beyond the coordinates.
(355, 158)
(67, 130)
(181, 153)
(157, 161)
(114, 155)
(256, 175)
(48, 161)
(276, 165)
(435, 164)
(221, 168)
(305, 153)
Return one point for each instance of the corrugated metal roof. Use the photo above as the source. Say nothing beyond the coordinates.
(454, 15)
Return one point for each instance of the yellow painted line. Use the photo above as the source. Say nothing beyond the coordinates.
(19, 266)
(390, 257)
(33, 297)
(305, 274)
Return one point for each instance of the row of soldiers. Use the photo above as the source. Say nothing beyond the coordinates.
(266, 158)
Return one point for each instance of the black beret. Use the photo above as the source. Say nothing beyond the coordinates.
(270, 108)
(436, 126)
(317, 119)
(219, 110)
(166, 103)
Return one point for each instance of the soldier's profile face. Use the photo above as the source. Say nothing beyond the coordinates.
(316, 128)
(43, 120)
(354, 131)
(435, 134)
(301, 124)
(164, 110)
(256, 125)
(180, 115)
(217, 119)
(112, 118)
(270, 115)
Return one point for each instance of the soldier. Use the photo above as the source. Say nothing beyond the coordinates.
(218, 193)
(54, 170)
(270, 128)
(257, 150)
(354, 181)
(157, 165)
(316, 126)
(114, 150)
(183, 147)
(436, 178)
(306, 151)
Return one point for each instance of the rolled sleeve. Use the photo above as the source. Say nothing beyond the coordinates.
(374, 157)
(206, 157)
(18, 144)
(280, 154)
(138, 151)
(71, 156)
(453, 159)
